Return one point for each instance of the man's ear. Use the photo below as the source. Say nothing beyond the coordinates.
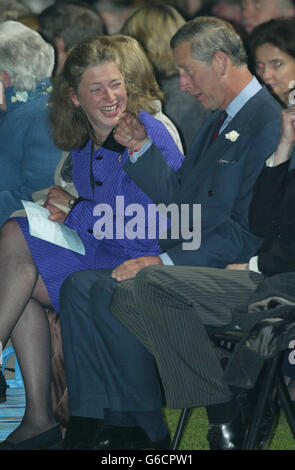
(220, 62)
(73, 97)
(61, 54)
(60, 44)
(5, 78)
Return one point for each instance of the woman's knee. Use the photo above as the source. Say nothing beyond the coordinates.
(11, 236)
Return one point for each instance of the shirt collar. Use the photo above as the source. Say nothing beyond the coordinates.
(241, 99)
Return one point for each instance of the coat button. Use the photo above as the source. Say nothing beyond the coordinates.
(90, 230)
(99, 157)
(98, 183)
(210, 193)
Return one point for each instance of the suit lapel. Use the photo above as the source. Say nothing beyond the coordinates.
(217, 149)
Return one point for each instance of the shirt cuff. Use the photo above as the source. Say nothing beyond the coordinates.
(270, 160)
(135, 155)
(166, 259)
(253, 264)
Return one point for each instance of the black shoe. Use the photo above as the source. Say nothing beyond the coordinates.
(3, 387)
(129, 438)
(82, 433)
(50, 439)
(227, 436)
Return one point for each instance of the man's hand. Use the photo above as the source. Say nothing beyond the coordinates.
(239, 267)
(130, 268)
(57, 197)
(56, 215)
(130, 132)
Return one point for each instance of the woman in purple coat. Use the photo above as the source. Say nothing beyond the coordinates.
(102, 78)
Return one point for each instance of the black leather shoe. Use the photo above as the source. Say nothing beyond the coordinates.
(129, 438)
(50, 439)
(3, 387)
(227, 436)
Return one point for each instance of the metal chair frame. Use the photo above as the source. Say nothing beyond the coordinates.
(272, 377)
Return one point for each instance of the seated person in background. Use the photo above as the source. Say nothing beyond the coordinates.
(102, 78)
(153, 27)
(168, 307)
(230, 10)
(272, 46)
(64, 25)
(27, 151)
(255, 12)
(219, 173)
(113, 13)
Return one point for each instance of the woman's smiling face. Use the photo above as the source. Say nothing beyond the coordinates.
(102, 96)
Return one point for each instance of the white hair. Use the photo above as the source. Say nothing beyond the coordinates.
(24, 55)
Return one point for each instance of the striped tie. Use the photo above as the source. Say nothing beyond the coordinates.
(218, 126)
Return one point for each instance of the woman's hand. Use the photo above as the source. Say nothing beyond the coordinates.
(288, 126)
(57, 197)
(130, 132)
(287, 139)
(56, 214)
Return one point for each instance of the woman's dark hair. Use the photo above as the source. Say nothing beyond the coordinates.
(280, 33)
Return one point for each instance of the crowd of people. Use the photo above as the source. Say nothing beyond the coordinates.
(111, 110)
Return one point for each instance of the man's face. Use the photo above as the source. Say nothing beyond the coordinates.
(197, 78)
(256, 12)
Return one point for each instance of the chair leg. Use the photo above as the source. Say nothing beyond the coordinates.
(286, 403)
(180, 428)
(270, 374)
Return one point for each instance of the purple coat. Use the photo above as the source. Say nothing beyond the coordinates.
(99, 179)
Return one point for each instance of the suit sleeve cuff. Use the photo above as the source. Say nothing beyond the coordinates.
(253, 264)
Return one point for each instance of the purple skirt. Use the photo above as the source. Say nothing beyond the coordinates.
(53, 262)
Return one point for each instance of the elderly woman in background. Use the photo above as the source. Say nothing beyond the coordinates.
(102, 78)
(272, 45)
(28, 154)
(153, 27)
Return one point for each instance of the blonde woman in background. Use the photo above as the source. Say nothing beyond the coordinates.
(153, 27)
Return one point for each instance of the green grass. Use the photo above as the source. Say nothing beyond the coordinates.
(194, 436)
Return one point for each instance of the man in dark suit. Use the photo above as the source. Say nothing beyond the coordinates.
(169, 308)
(219, 173)
(220, 169)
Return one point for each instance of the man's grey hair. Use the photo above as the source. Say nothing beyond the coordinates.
(24, 55)
(209, 35)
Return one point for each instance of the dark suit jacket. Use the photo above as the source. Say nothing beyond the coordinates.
(220, 177)
(272, 216)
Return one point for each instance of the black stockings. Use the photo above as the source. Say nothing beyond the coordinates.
(22, 318)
